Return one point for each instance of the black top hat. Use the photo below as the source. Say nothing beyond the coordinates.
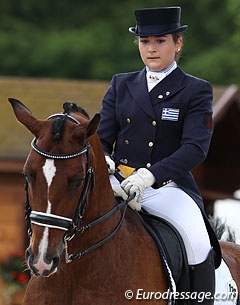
(157, 21)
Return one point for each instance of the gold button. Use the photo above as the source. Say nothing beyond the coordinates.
(154, 123)
(150, 144)
(128, 120)
(126, 142)
(125, 161)
(164, 183)
(160, 96)
(148, 165)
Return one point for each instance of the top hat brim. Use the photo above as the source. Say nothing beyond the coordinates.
(133, 30)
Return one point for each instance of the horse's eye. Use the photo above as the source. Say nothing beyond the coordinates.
(75, 182)
(28, 177)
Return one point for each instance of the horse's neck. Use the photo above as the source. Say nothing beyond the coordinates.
(101, 197)
(100, 201)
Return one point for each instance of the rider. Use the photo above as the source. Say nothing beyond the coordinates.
(156, 126)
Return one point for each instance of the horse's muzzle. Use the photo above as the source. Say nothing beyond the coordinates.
(41, 265)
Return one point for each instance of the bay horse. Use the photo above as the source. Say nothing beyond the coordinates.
(71, 210)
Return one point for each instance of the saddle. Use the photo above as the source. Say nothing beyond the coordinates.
(171, 249)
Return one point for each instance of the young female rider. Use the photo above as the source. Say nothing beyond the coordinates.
(156, 126)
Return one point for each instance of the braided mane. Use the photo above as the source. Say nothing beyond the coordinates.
(58, 127)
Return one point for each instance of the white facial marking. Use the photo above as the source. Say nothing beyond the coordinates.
(49, 171)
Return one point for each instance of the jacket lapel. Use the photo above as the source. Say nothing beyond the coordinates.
(139, 92)
(168, 86)
(161, 92)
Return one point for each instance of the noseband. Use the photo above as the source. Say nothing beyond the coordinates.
(71, 226)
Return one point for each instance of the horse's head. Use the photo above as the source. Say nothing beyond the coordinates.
(58, 175)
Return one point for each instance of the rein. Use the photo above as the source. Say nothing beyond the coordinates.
(123, 205)
(72, 226)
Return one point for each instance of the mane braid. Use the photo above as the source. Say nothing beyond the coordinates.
(69, 107)
(58, 128)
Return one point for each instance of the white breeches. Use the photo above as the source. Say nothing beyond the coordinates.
(174, 205)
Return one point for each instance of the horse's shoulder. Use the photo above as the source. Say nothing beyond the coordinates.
(230, 253)
(135, 226)
(230, 246)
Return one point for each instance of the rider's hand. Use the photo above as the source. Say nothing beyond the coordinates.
(110, 165)
(138, 182)
(119, 192)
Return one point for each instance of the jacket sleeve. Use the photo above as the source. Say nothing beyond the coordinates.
(107, 130)
(196, 137)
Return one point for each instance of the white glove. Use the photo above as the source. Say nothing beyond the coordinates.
(110, 165)
(119, 192)
(138, 182)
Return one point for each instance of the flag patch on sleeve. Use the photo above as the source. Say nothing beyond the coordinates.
(170, 114)
(208, 122)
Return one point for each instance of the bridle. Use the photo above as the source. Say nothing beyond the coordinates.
(72, 226)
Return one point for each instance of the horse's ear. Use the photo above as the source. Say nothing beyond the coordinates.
(24, 116)
(87, 128)
(93, 125)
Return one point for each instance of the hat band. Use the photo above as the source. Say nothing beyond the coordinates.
(156, 29)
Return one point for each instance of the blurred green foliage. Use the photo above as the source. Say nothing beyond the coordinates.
(90, 39)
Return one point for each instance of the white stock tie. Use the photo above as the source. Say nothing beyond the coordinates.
(153, 78)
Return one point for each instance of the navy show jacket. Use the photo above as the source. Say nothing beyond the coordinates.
(167, 130)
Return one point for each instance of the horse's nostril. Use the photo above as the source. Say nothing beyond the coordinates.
(29, 257)
(55, 261)
(27, 253)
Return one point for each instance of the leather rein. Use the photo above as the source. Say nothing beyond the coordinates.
(72, 226)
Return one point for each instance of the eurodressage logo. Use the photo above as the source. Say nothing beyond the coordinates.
(232, 288)
(229, 297)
